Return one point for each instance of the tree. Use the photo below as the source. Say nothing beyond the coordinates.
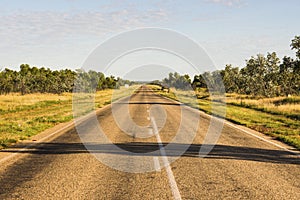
(24, 77)
(178, 81)
(33, 79)
(272, 75)
(231, 78)
(296, 45)
(286, 76)
(260, 75)
(7, 77)
(198, 82)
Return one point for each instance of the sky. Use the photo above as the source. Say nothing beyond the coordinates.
(62, 33)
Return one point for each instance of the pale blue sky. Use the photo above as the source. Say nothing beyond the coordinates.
(62, 33)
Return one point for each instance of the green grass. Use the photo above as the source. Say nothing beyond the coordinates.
(280, 124)
(24, 116)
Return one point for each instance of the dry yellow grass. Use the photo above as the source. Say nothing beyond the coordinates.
(268, 104)
(15, 100)
(25, 116)
(277, 117)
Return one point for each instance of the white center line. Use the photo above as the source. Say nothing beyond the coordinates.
(156, 164)
(172, 182)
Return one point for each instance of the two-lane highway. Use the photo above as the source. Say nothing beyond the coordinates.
(142, 133)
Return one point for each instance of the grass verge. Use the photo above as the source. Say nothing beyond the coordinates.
(257, 114)
(24, 116)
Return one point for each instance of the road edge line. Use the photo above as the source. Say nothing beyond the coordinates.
(228, 123)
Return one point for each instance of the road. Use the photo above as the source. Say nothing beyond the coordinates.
(240, 166)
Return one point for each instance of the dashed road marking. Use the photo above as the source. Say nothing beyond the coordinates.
(156, 164)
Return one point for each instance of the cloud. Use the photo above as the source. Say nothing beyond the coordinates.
(228, 3)
(29, 28)
(64, 38)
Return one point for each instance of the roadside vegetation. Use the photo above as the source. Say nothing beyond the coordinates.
(22, 116)
(41, 80)
(263, 95)
(33, 99)
(276, 117)
(262, 76)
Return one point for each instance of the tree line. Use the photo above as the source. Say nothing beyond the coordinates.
(262, 76)
(32, 79)
(266, 76)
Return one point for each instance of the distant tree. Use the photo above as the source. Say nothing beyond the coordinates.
(231, 78)
(33, 79)
(286, 76)
(178, 81)
(7, 77)
(296, 65)
(296, 45)
(260, 75)
(271, 77)
(24, 77)
(198, 82)
(101, 81)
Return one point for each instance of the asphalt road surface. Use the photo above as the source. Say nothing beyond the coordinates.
(149, 136)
